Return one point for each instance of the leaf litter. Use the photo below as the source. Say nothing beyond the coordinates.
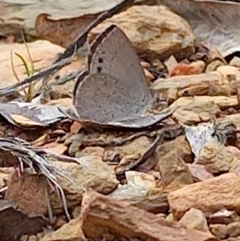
(143, 133)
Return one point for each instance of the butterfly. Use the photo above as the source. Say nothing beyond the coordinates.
(114, 91)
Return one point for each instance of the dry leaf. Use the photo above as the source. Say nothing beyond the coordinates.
(62, 31)
(24, 121)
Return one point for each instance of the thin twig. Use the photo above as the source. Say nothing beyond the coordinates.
(44, 72)
(82, 37)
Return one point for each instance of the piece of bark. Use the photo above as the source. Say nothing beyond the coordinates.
(14, 224)
(103, 215)
(209, 196)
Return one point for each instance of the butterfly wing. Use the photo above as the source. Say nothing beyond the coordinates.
(96, 98)
(112, 53)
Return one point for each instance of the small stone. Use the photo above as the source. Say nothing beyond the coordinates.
(219, 230)
(215, 157)
(235, 61)
(233, 229)
(74, 147)
(148, 75)
(32, 238)
(194, 219)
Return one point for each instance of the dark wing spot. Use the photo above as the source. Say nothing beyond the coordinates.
(100, 60)
(99, 69)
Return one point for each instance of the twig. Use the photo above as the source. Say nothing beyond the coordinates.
(45, 72)
(82, 37)
(148, 153)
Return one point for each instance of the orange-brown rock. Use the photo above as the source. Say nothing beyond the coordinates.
(209, 196)
(106, 217)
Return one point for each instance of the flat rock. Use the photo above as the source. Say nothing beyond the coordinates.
(208, 196)
(153, 30)
(212, 83)
(108, 218)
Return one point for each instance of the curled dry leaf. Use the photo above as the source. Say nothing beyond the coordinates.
(64, 31)
(31, 115)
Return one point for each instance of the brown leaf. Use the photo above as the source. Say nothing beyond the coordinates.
(62, 31)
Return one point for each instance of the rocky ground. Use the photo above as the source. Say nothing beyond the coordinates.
(62, 178)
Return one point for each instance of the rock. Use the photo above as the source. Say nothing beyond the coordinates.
(223, 217)
(92, 173)
(15, 223)
(233, 229)
(235, 61)
(219, 230)
(142, 25)
(188, 69)
(173, 171)
(179, 145)
(68, 232)
(213, 83)
(142, 196)
(103, 215)
(93, 151)
(215, 157)
(190, 109)
(111, 156)
(208, 195)
(194, 219)
(137, 147)
(199, 172)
